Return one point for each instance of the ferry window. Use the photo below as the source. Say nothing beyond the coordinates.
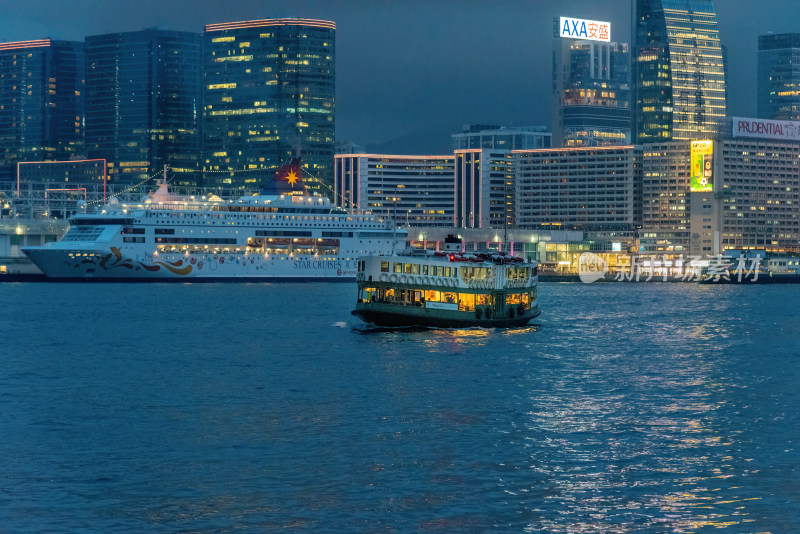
(447, 272)
(533, 294)
(384, 266)
(513, 298)
(432, 296)
(449, 297)
(483, 300)
(425, 269)
(398, 267)
(415, 268)
(407, 268)
(455, 272)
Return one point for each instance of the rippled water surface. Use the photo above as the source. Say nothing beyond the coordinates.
(625, 407)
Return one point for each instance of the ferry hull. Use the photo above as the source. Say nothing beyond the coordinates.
(393, 316)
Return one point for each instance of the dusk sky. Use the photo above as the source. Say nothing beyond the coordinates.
(419, 68)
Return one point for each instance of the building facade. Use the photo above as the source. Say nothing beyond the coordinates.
(495, 137)
(269, 93)
(591, 93)
(759, 194)
(412, 190)
(779, 76)
(666, 215)
(484, 189)
(595, 189)
(679, 71)
(143, 104)
(752, 201)
(41, 102)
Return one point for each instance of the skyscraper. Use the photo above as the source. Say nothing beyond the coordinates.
(591, 93)
(779, 76)
(143, 103)
(41, 102)
(679, 70)
(269, 96)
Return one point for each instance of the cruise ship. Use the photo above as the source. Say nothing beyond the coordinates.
(282, 233)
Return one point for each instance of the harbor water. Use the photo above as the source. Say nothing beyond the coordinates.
(268, 407)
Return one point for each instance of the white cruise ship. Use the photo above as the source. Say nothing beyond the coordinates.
(280, 234)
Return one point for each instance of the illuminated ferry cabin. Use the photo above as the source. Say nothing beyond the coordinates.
(447, 289)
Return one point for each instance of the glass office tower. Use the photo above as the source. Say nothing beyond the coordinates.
(779, 76)
(143, 104)
(269, 96)
(41, 102)
(591, 93)
(679, 70)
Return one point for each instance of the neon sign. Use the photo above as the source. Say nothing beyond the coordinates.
(588, 30)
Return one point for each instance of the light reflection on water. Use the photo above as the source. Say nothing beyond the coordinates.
(635, 407)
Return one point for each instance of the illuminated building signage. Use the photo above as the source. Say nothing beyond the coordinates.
(766, 129)
(702, 157)
(588, 30)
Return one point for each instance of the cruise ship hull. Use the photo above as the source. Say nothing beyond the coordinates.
(178, 238)
(113, 265)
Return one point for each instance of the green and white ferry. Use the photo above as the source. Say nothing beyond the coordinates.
(450, 289)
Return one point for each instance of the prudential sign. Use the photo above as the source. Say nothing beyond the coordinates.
(588, 30)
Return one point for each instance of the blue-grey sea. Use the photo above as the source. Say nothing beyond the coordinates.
(268, 407)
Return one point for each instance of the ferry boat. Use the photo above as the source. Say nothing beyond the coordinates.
(283, 233)
(447, 289)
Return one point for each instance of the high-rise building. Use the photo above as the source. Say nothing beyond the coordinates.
(269, 96)
(41, 102)
(749, 200)
(414, 190)
(679, 71)
(591, 93)
(666, 198)
(779, 76)
(484, 188)
(596, 188)
(143, 104)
